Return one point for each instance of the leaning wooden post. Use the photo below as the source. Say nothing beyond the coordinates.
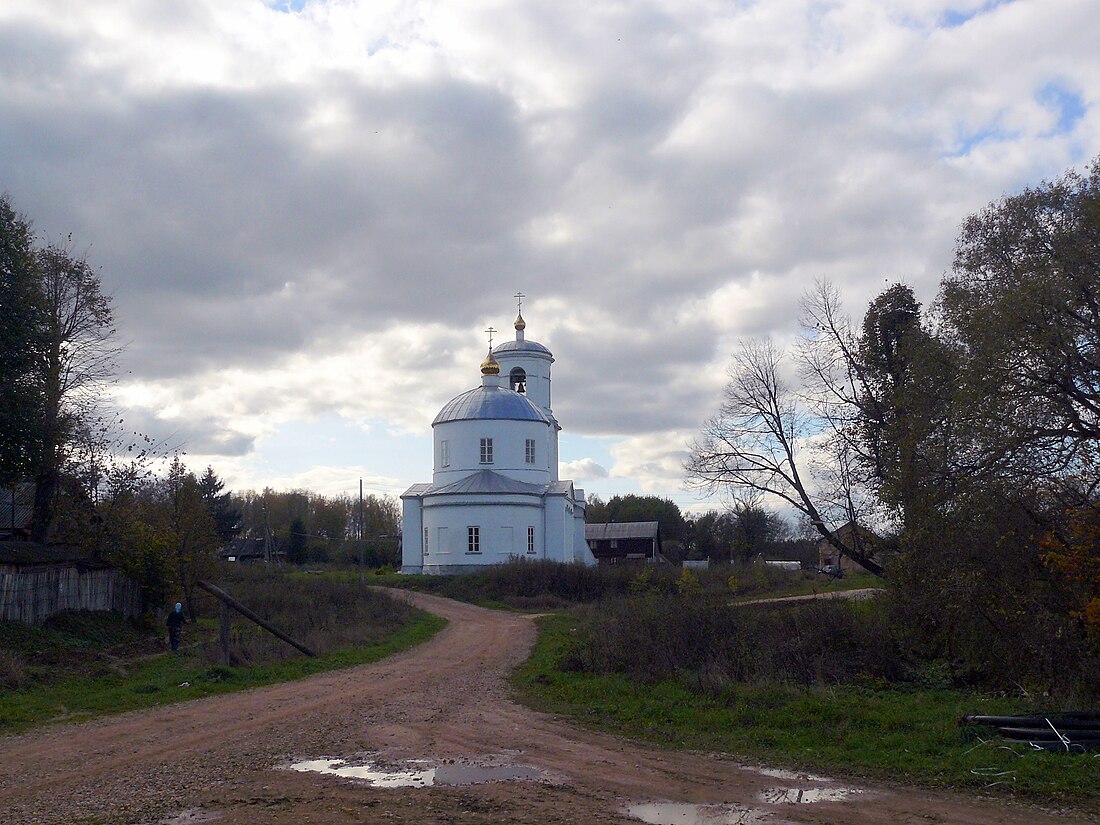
(225, 633)
(248, 614)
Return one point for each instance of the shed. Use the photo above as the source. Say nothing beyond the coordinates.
(626, 542)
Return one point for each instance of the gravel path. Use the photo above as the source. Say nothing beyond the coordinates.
(224, 759)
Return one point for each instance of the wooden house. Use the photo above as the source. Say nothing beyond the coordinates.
(632, 542)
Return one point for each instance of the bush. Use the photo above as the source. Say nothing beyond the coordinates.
(654, 637)
(13, 670)
(321, 613)
(548, 585)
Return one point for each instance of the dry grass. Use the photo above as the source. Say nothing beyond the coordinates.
(13, 670)
(324, 614)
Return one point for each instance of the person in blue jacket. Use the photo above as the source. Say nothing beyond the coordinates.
(175, 625)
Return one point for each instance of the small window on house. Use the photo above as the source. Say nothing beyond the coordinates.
(426, 540)
(517, 379)
(473, 539)
(486, 451)
(529, 451)
(530, 539)
(444, 454)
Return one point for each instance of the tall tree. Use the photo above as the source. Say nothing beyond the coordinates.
(76, 361)
(227, 518)
(1024, 302)
(20, 345)
(757, 444)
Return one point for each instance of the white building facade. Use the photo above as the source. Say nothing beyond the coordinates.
(495, 493)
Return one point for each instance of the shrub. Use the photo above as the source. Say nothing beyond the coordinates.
(321, 613)
(653, 637)
(13, 670)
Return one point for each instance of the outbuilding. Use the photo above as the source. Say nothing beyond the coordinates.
(627, 542)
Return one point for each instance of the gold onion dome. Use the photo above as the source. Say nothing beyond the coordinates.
(490, 366)
(520, 323)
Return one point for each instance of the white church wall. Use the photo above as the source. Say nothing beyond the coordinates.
(537, 368)
(502, 534)
(412, 536)
(509, 454)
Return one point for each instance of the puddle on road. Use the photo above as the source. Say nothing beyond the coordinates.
(807, 796)
(418, 773)
(683, 813)
(793, 776)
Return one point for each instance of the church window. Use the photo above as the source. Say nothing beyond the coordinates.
(517, 379)
(444, 454)
(529, 451)
(425, 541)
(473, 539)
(530, 539)
(486, 451)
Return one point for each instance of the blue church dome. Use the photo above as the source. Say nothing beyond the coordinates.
(521, 346)
(490, 403)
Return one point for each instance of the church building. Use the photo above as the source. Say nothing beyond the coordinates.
(495, 492)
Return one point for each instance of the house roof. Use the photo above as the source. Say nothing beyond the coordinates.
(488, 402)
(30, 552)
(621, 530)
(485, 482)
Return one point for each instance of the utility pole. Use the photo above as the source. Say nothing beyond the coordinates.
(267, 534)
(362, 572)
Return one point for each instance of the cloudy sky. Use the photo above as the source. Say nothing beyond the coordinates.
(308, 211)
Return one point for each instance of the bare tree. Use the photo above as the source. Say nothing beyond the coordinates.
(760, 441)
(77, 361)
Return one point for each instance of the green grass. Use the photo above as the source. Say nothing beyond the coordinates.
(882, 733)
(163, 678)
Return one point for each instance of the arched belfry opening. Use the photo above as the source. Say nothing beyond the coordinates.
(517, 379)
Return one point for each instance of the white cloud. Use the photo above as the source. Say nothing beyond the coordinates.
(315, 213)
(583, 469)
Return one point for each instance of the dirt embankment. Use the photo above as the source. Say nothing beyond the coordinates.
(224, 759)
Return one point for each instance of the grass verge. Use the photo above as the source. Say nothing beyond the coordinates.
(882, 733)
(162, 679)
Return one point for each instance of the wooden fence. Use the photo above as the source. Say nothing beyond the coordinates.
(32, 593)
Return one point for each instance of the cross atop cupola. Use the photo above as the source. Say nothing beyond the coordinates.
(521, 325)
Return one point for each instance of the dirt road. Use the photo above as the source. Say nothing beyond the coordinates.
(225, 759)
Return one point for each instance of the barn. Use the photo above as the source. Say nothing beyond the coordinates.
(629, 542)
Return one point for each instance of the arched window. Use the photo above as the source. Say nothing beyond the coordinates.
(518, 379)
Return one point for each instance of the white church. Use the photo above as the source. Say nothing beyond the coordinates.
(495, 493)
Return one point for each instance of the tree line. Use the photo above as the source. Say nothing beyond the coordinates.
(970, 427)
(120, 494)
(737, 535)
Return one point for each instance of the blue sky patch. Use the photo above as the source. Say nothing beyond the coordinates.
(953, 18)
(966, 143)
(1065, 102)
(287, 6)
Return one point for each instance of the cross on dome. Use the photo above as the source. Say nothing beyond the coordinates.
(520, 323)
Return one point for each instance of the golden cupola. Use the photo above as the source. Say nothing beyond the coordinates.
(490, 366)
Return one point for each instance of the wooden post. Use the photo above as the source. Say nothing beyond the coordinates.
(248, 614)
(362, 573)
(225, 633)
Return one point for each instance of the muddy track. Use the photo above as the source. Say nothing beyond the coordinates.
(224, 759)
